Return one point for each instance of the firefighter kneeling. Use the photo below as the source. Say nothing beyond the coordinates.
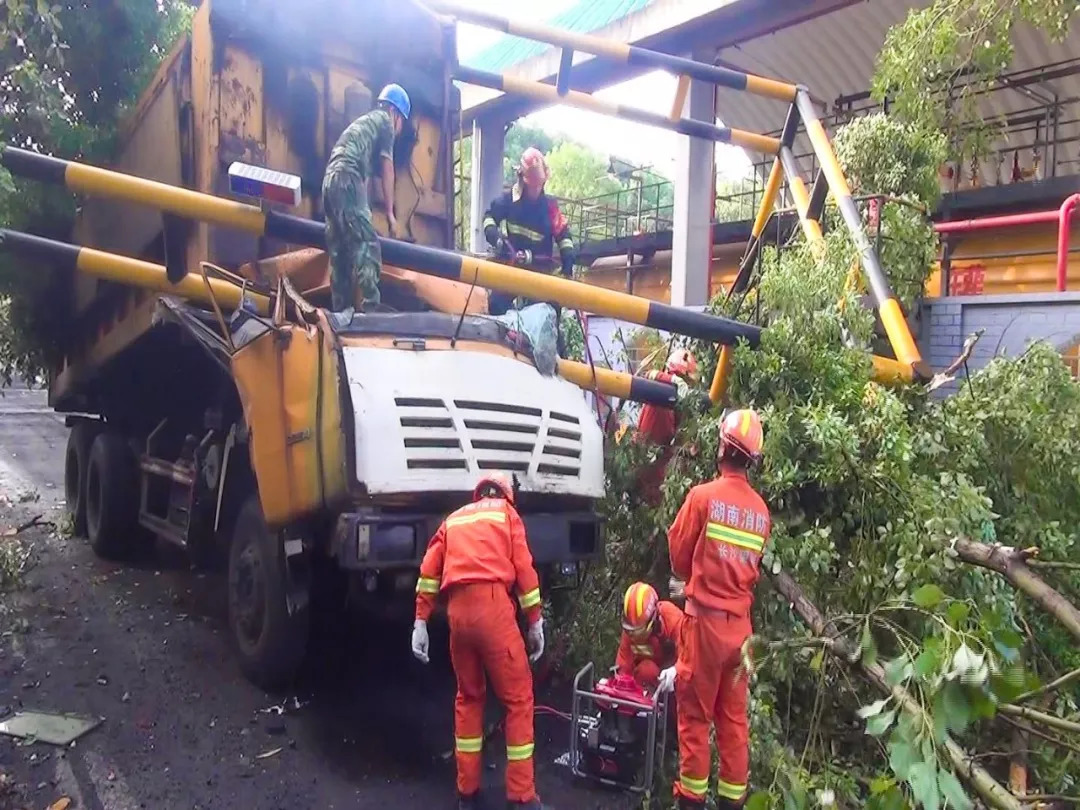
(477, 556)
(649, 644)
(715, 546)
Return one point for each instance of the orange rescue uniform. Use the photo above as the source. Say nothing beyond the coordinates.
(715, 545)
(478, 555)
(657, 425)
(645, 658)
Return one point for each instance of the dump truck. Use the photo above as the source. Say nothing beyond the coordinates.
(286, 449)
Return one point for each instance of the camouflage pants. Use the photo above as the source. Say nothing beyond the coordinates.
(351, 240)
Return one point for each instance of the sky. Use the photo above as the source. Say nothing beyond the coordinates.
(640, 144)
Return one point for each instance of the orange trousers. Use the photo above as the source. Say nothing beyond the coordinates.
(484, 638)
(710, 689)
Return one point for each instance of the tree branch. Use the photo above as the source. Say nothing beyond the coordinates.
(1064, 680)
(991, 791)
(1012, 565)
(1042, 735)
(1035, 716)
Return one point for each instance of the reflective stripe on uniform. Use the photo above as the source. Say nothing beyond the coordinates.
(516, 753)
(427, 585)
(735, 537)
(642, 649)
(469, 745)
(476, 517)
(528, 600)
(566, 244)
(520, 230)
(729, 790)
(695, 787)
(489, 222)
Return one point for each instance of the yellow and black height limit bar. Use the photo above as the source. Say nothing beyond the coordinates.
(423, 259)
(147, 275)
(622, 52)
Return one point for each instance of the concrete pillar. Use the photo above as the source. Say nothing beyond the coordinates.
(694, 192)
(488, 142)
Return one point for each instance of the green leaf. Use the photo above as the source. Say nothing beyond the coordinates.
(898, 670)
(902, 756)
(982, 704)
(923, 779)
(881, 784)
(928, 597)
(873, 709)
(953, 791)
(867, 646)
(928, 662)
(956, 707)
(958, 613)
(759, 801)
(818, 661)
(880, 723)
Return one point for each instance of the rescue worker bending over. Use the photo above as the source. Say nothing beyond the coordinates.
(715, 545)
(534, 225)
(364, 149)
(477, 556)
(658, 425)
(649, 643)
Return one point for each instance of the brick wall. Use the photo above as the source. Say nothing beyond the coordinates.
(1011, 323)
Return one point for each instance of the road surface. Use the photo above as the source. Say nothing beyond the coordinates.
(145, 646)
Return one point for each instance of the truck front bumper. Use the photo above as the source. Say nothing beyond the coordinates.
(365, 541)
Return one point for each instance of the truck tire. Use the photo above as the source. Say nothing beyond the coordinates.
(76, 458)
(270, 642)
(112, 497)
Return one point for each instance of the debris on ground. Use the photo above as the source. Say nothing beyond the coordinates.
(22, 527)
(55, 729)
(62, 803)
(268, 754)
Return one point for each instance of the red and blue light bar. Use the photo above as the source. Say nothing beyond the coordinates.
(264, 184)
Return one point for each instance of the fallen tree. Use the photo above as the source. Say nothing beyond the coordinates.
(888, 505)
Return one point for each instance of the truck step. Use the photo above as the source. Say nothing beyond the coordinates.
(164, 529)
(183, 473)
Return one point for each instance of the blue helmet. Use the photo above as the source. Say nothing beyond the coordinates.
(395, 94)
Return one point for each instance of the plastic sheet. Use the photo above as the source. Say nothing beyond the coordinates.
(537, 322)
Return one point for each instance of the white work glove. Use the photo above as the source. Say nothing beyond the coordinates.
(667, 681)
(682, 389)
(420, 640)
(677, 588)
(536, 640)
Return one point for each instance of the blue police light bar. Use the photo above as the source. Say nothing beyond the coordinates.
(264, 184)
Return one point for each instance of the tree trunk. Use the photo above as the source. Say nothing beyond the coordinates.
(1011, 564)
(991, 791)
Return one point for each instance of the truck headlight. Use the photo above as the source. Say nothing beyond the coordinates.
(363, 541)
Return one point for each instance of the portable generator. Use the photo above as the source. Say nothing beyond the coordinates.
(613, 731)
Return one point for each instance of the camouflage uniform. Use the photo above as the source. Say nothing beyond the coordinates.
(351, 239)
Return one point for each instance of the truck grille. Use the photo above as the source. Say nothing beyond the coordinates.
(439, 436)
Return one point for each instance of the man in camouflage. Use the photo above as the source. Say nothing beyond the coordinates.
(365, 148)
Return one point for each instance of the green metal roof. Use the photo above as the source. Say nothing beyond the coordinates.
(583, 17)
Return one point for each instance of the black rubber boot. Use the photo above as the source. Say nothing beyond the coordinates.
(690, 804)
(471, 802)
(535, 804)
(728, 804)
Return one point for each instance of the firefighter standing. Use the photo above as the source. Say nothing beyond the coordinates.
(477, 556)
(365, 148)
(534, 226)
(649, 644)
(715, 545)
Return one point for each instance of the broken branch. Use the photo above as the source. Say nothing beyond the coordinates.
(1064, 680)
(36, 520)
(1012, 565)
(991, 791)
(1035, 716)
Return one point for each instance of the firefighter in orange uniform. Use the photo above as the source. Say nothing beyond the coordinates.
(649, 644)
(657, 424)
(478, 555)
(715, 545)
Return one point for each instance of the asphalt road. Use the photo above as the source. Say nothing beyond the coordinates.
(145, 646)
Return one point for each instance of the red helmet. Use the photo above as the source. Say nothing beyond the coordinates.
(741, 429)
(681, 363)
(499, 481)
(533, 166)
(640, 606)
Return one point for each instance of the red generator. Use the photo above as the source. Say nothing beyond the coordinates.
(614, 731)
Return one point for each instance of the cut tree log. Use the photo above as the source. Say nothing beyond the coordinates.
(989, 789)
(1012, 564)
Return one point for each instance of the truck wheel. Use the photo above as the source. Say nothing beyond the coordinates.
(271, 642)
(112, 491)
(76, 458)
